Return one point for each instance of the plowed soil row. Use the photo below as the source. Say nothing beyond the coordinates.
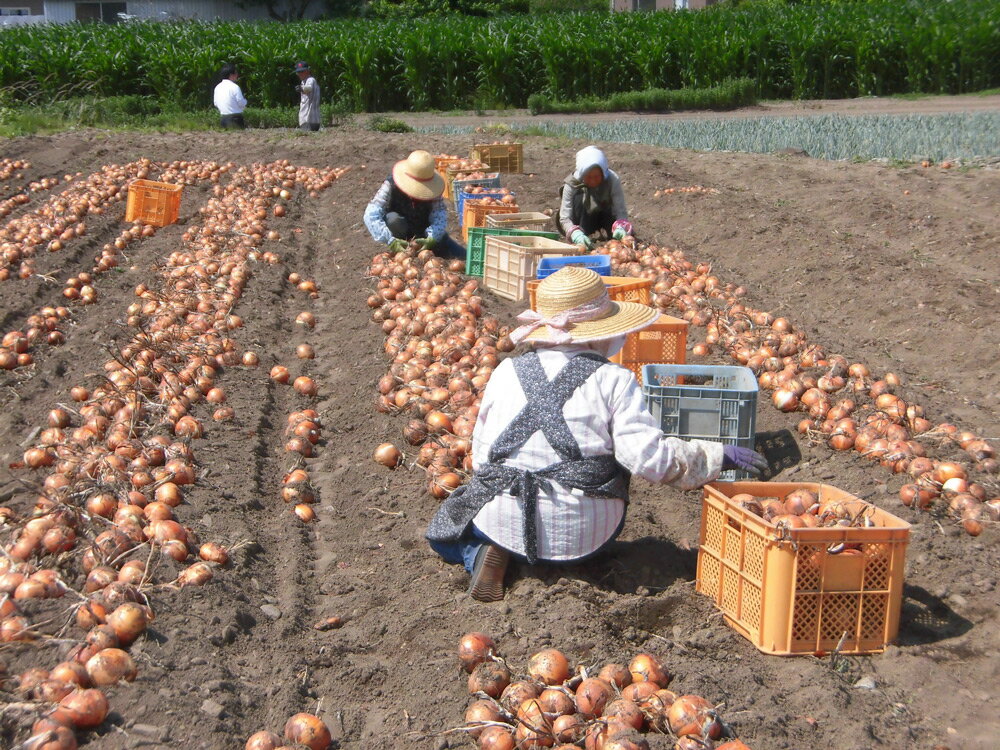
(905, 282)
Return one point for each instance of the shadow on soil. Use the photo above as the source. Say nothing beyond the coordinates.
(926, 619)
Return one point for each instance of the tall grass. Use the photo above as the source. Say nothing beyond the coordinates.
(802, 50)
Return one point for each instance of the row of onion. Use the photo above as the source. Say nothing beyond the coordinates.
(43, 326)
(552, 705)
(443, 349)
(848, 408)
(120, 458)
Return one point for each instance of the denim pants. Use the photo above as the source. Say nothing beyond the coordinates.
(464, 551)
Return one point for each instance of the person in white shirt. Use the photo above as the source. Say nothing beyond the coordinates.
(560, 431)
(229, 99)
(309, 115)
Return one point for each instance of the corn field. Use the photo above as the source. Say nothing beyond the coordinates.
(810, 50)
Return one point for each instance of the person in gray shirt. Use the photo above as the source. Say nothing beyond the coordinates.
(309, 116)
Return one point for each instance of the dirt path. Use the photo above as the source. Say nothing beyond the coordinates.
(895, 267)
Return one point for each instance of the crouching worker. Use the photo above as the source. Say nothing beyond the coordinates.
(593, 201)
(409, 206)
(559, 433)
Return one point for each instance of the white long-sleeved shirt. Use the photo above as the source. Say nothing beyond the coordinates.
(229, 99)
(607, 414)
(376, 210)
(309, 113)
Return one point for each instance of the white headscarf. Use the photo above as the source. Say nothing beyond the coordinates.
(588, 157)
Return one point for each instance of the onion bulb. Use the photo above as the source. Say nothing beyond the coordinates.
(263, 740)
(110, 666)
(647, 668)
(692, 714)
(306, 729)
(388, 455)
(474, 649)
(129, 621)
(496, 738)
(83, 709)
(592, 695)
(490, 678)
(550, 667)
(481, 710)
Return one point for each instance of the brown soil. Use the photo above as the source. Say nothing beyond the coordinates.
(895, 267)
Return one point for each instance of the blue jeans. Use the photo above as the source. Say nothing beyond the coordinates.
(464, 551)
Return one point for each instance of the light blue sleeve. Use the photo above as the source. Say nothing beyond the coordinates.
(439, 220)
(375, 215)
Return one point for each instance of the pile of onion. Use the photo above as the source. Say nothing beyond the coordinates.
(848, 408)
(555, 706)
(117, 457)
(443, 349)
(301, 730)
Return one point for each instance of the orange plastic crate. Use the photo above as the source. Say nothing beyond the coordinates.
(620, 289)
(802, 591)
(156, 203)
(503, 157)
(664, 342)
(512, 260)
(474, 214)
(441, 164)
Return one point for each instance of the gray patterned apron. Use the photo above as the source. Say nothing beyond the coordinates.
(596, 476)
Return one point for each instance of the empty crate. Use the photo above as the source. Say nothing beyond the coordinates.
(704, 402)
(512, 261)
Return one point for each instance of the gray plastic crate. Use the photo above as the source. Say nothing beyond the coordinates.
(704, 402)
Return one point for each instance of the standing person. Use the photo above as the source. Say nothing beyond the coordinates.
(408, 206)
(309, 115)
(592, 200)
(560, 431)
(229, 99)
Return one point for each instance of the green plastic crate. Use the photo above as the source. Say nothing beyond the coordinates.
(476, 249)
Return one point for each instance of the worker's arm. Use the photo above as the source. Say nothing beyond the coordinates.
(438, 220)
(642, 448)
(375, 215)
(566, 209)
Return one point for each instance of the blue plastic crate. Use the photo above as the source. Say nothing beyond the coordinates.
(599, 263)
(458, 186)
(704, 402)
(463, 196)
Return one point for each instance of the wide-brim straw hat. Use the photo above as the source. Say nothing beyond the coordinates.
(574, 286)
(415, 176)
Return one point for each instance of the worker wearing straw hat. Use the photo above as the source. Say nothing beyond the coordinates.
(560, 431)
(408, 206)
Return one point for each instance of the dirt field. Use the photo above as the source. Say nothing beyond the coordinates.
(894, 267)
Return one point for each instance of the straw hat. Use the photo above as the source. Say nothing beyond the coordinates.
(573, 302)
(416, 177)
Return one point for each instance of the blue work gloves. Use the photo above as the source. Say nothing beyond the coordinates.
(398, 245)
(621, 229)
(743, 459)
(579, 238)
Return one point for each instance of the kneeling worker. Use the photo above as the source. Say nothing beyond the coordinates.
(559, 433)
(408, 206)
(593, 200)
